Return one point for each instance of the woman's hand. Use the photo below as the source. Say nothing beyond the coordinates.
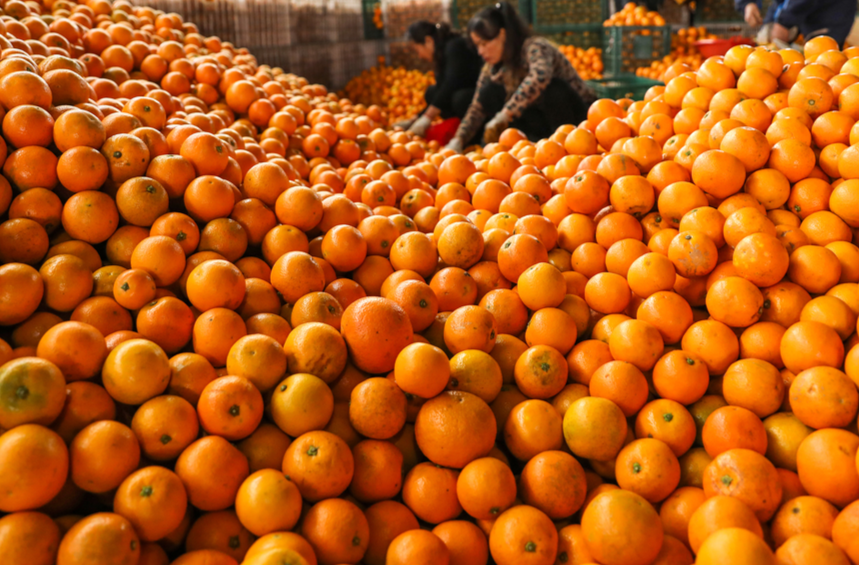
(404, 124)
(495, 127)
(780, 32)
(753, 15)
(420, 126)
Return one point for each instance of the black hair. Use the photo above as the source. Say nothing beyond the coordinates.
(489, 22)
(440, 33)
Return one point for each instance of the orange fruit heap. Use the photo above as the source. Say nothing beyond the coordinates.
(378, 20)
(587, 62)
(633, 15)
(241, 323)
(399, 91)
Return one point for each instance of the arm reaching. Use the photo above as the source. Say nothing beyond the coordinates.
(751, 11)
(535, 82)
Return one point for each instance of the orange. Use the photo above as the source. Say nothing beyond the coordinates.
(102, 455)
(594, 428)
(105, 536)
(337, 530)
(135, 371)
(738, 545)
(464, 540)
(35, 461)
(230, 407)
(165, 426)
(523, 534)
(805, 547)
(813, 95)
(620, 514)
(648, 468)
(419, 547)
(452, 415)
(748, 476)
(486, 488)
(430, 492)
(277, 509)
(153, 500)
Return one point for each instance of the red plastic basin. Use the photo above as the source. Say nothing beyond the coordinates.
(716, 47)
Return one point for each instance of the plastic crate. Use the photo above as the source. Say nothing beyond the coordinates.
(551, 14)
(675, 13)
(368, 11)
(463, 10)
(628, 48)
(721, 11)
(400, 14)
(623, 86)
(584, 36)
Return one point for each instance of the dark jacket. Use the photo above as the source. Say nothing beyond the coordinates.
(459, 69)
(813, 17)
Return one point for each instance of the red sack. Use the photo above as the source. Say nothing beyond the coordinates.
(444, 131)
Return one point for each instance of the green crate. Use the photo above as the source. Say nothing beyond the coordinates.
(552, 13)
(675, 14)
(623, 86)
(368, 8)
(463, 10)
(584, 36)
(630, 47)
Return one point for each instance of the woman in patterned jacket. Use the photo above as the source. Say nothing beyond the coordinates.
(526, 82)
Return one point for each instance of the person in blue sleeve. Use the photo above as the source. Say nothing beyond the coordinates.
(812, 17)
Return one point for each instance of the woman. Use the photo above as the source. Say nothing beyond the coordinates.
(526, 82)
(457, 66)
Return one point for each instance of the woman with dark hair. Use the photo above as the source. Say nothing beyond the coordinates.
(457, 66)
(526, 83)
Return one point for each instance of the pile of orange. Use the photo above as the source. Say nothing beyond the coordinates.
(399, 91)
(587, 62)
(683, 50)
(633, 15)
(241, 323)
(378, 20)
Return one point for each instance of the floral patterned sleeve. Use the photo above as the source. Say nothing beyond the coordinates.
(538, 57)
(475, 116)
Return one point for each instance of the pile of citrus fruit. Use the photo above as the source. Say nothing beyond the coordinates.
(634, 15)
(399, 91)
(587, 62)
(241, 323)
(378, 20)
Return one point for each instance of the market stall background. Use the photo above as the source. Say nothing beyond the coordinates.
(332, 41)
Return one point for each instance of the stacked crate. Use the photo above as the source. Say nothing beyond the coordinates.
(323, 40)
(721, 11)
(463, 10)
(562, 15)
(628, 47)
(580, 23)
(369, 9)
(398, 16)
